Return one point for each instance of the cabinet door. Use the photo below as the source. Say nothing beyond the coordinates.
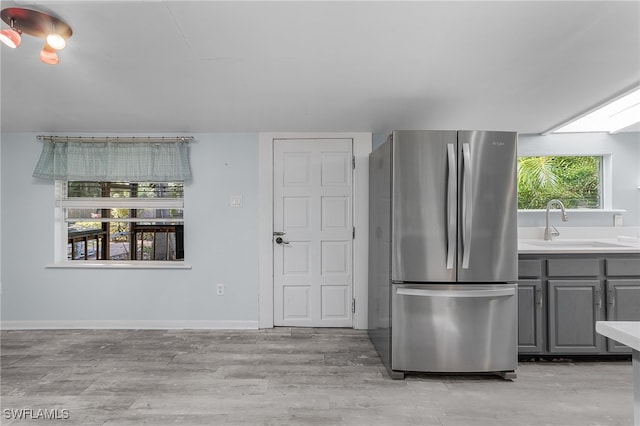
(623, 304)
(574, 308)
(530, 314)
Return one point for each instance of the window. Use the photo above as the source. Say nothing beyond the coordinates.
(576, 180)
(133, 221)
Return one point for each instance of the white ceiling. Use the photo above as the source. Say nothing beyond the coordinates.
(213, 66)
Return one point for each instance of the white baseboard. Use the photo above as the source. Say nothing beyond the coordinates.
(129, 325)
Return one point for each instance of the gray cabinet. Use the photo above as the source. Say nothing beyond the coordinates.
(574, 308)
(623, 304)
(571, 268)
(530, 316)
(623, 267)
(561, 296)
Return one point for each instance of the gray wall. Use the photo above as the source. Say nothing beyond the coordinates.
(378, 139)
(221, 245)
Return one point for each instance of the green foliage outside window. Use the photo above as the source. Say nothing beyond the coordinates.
(574, 180)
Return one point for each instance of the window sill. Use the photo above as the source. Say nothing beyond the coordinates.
(114, 264)
(537, 211)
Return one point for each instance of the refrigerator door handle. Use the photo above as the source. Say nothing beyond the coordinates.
(456, 293)
(467, 200)
(451, 206)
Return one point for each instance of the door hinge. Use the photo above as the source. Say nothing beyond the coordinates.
(353, 233)
(353, 306)
(353, 162)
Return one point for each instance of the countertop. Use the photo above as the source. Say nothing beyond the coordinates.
(580, 240)
(625, 332)
(580, 245)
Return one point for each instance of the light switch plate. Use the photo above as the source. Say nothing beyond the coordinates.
(235, 201)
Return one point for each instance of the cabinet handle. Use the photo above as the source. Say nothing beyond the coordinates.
(539, 296)
(612, 298)
(598, 298)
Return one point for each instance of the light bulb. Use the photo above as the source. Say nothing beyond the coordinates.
(56, 41)
(10, 37)
(48, 55)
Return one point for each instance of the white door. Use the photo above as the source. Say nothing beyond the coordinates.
(312, 271)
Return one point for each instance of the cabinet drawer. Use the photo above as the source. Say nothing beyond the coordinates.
(573, 267)
(623, 267)
(530, 268)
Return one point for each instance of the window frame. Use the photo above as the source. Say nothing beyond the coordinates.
(61, 234)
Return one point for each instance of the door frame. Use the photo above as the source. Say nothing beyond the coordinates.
(361, 149)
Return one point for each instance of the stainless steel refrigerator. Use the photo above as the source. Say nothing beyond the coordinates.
(443, 252)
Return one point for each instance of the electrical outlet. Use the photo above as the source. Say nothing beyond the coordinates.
(617, 220)
(220, 289)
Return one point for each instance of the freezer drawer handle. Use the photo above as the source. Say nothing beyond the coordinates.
(456, 293)
(451, 206)
(467, 202)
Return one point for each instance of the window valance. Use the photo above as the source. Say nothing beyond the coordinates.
(114, 161)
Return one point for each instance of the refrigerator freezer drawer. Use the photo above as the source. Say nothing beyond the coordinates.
(454, 328)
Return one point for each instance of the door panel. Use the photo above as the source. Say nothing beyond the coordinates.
(419, 205)
(488, 207)
(297, 213)
(313, 208)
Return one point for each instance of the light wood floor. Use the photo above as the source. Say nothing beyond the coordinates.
(282, 376)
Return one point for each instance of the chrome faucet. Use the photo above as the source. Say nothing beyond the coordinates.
(548, 232)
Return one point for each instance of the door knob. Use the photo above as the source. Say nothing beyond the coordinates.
(279, 240)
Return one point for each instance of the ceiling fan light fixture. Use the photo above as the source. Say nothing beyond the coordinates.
(37, 24)
(56, 41)
(10, 37)
(48, 55)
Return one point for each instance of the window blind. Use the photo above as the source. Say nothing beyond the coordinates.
(114, 161)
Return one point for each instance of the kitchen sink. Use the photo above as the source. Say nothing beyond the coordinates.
(575, 243)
